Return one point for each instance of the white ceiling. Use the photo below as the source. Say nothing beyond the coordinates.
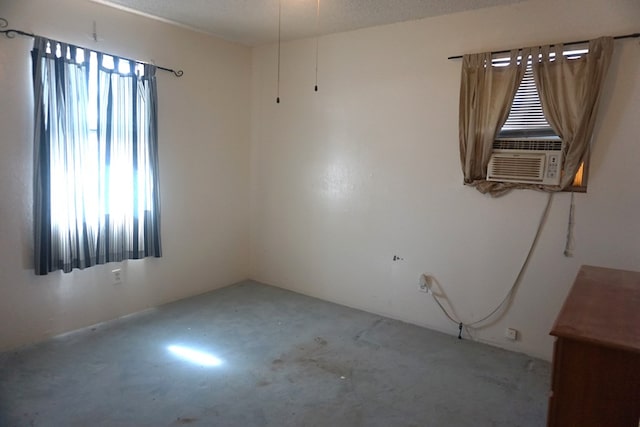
(255, 22)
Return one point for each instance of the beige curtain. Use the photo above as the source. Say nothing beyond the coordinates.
(569, 92)
(486, 95)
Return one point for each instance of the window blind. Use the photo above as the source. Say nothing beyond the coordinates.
(526, 111)
(526, 118)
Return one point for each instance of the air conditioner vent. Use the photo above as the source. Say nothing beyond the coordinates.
(527, 145)
(528, 167)
(532, 161)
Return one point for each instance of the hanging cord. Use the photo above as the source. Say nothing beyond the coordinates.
(568, 249)
(279, 44)
(508, 297)
(317, 41)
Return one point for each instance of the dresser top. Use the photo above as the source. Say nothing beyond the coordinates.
(603, 307)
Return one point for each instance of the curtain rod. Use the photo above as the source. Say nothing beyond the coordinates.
(11, 33)
(626, 36)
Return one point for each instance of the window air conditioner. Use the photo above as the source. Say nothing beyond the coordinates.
(526, 161)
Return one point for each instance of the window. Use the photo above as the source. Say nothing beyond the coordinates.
(96, 182)
(528, 133)
(569, 86)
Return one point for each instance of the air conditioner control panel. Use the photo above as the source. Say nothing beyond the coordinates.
(553, 165)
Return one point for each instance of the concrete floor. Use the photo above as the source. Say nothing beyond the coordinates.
(283, 360)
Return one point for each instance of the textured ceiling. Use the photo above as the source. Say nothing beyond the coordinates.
(255, 22)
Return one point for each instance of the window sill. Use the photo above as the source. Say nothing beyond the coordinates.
(575, 189)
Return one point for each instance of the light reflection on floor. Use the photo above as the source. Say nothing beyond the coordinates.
(195, 356)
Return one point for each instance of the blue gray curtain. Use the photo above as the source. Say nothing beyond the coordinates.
(96, 186)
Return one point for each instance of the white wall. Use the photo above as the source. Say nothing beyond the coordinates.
(204, 137)
(341, 180)
(368, 168)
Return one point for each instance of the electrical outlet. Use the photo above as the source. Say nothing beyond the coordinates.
(425, 284)
(116, 276)
(511, 334)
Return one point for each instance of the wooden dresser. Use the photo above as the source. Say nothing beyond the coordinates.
(596, 361)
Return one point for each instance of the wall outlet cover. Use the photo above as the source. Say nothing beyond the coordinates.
(116, 276)
(511, 334)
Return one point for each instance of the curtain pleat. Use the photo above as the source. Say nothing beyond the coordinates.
(486, 95)
(42, 205)
(96, 190)
(570, 92)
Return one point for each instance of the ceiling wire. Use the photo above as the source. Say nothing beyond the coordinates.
(317, 41)
(279, 45)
